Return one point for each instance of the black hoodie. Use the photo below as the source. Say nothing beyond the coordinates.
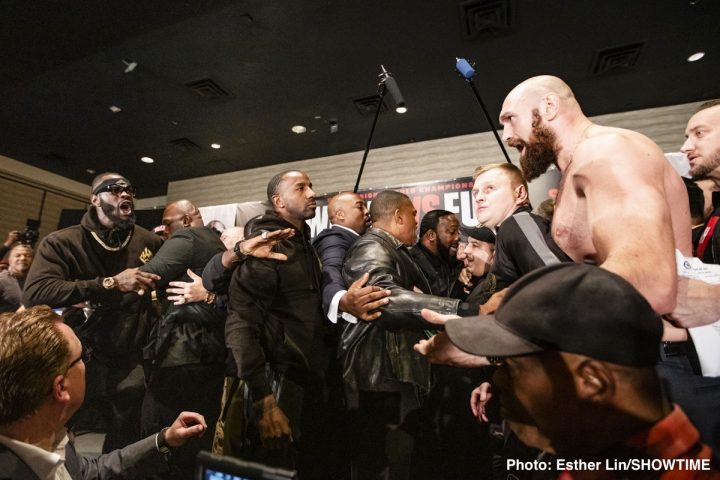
(68, 269)
(275, 316)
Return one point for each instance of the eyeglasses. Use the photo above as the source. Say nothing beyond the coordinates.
(117, 189)
(85, 356)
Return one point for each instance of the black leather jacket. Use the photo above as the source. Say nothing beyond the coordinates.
(379, 354)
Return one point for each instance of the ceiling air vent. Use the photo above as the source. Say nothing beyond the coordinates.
(185, 145)
(208, 88)
(616, 59)
(368, 105)
(480, 18)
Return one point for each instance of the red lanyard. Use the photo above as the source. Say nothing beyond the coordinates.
(706, 236)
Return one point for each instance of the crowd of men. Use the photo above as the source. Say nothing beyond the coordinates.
(376, 350)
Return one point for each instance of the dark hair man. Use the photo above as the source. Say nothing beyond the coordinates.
(275, 333)
(702, 147)
(91, 270)
(13, 279)
(42, 370)
(435, 253)
(186, 353)
(379, 362)
(577, 346)
(350, 219)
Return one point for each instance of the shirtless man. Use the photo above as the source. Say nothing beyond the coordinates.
(617, 190)
(617, 195)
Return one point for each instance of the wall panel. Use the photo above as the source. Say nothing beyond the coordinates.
(416, 162)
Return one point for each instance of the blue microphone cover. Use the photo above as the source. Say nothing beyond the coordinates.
(465, 69)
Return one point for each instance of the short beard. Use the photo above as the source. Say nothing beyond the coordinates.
(540, 151)
(701, 172)
(119, 223)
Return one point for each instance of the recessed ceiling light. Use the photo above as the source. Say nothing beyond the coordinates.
(696, 56)
(90, 171)
(147, 160)
(401, 109)
(299, 129)
(317, 117)
(215, 145)
(115, 109)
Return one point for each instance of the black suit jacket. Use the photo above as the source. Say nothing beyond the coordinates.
(331, 245)
(138, 460)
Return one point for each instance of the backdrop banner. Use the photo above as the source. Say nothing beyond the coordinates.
(452, 195)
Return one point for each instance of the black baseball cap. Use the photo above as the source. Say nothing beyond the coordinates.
(481, 233)
(566, 307)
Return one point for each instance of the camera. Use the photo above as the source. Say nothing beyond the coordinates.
(31, 233)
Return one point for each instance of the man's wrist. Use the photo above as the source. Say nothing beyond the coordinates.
(161, 443)
(239, 252)
(109, 283)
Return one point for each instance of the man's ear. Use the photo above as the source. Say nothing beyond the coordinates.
(186, 221)
(340, 214)
(277, 201)
(594, 382)
(59, 392)
(521, 194)
(550, 106)
(431, 235)
(397, 216)
(95, 200)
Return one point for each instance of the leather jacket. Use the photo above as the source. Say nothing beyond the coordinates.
(379, 354)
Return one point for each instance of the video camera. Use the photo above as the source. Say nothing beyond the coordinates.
(31, 233)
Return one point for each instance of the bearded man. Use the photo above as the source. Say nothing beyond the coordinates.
(91, 272)
(436, 250)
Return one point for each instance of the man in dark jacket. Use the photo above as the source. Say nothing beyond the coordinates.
(523, 239)
(379, 361)
(350, 218)
(276, 335)
(186, 355)
(91, 270)
(435, 253)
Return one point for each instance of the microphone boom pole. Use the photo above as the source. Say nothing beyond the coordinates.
(381, 96)
(466, 70)
(387, 85)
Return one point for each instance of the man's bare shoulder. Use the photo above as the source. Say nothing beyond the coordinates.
(617, 150)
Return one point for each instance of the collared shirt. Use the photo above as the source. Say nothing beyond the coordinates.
(673, 437)
(46, 465)
(335, 303)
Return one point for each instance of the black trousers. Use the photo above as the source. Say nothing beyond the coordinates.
(114, 395)
(195, 388)
(698, 396)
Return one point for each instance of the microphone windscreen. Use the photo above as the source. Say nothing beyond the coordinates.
(394, 90)
(464, 67)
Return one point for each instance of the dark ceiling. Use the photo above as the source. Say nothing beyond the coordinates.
(260, 67)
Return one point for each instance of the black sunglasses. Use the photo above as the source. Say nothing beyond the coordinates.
(85, 356)
(117, 189)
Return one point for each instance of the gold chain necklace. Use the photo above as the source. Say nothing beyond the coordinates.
(108, 247)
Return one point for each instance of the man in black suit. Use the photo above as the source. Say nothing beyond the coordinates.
(350, 218)
(185, 358)
(42, 370)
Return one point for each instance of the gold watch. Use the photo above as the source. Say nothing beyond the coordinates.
(109, 283)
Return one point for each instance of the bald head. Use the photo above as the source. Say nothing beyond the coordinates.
(349, 210)
(533, 89)
(179, 215)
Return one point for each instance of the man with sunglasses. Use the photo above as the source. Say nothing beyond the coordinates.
(42, 370)
(91, 272)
